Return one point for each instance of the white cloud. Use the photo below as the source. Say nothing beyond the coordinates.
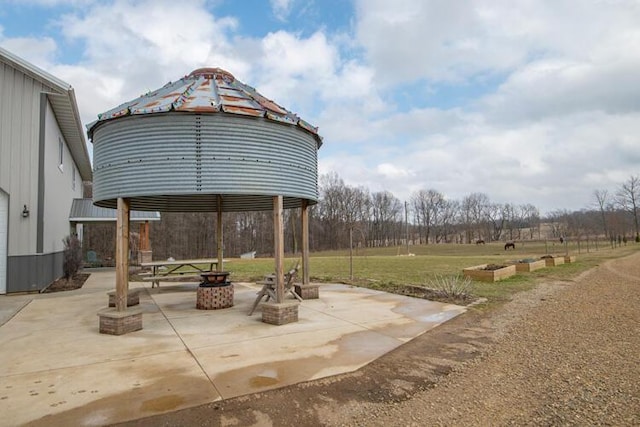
(442, 41)
(390, 171)
(281, 9)
(562, 119)
(40, 52)
(134, 47)
(452, 41)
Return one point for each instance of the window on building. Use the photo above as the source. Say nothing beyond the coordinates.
(60, 153)
(73, 178)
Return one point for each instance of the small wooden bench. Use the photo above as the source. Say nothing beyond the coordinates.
(169, 278)
(269, 287)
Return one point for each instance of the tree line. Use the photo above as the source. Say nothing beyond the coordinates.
(352, 216)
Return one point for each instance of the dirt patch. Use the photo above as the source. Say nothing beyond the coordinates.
(63, 284)
(493, 267)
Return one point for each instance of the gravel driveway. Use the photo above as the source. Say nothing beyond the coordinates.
(566, 354)
(562, 354)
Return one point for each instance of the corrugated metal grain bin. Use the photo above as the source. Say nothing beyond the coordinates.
(205, 135)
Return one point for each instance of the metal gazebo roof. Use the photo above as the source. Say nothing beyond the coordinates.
(206, 142)
(206, 90)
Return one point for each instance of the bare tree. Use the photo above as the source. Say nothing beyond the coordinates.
(449, 213)
(427, 204)
(602, 201)
(628, 197)
(531, 218)
(511, 217)
(385, 213)
(496, 214)
(331, 191)
(473, 212)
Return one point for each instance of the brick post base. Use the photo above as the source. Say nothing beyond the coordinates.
(214, 297)
(145, 256)
(114, 322)
(133, 297)
(307, 291)
(280, 314)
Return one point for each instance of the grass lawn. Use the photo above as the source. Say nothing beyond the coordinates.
(386, 268)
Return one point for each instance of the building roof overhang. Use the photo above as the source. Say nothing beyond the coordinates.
(83, 210)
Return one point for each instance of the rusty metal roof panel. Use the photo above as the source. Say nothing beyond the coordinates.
(206, 90)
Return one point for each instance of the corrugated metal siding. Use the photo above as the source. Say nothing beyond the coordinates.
(31, 273)
(178, 161)
(61, 97)
(19, 133)
(4, 228)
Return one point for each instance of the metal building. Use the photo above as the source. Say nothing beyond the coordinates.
(43, 163)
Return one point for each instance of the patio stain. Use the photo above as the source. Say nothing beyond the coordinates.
(351, 351)
(129, 405)
(162, 403)
(262, 381)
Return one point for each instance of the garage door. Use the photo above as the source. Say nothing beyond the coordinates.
(4, 223)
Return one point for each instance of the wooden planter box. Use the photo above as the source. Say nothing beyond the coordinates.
(477, 273)
(568, 259)
(552, 262)
(530, 266)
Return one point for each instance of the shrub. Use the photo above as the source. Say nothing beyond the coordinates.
(72, 256)
(456, 286)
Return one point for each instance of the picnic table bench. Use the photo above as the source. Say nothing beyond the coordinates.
(178, 269)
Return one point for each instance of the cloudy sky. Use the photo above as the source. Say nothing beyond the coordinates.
(528, 101)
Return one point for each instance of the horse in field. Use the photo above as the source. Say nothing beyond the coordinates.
(479, 242)
(508, 245)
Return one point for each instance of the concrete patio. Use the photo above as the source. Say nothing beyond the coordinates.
(56, 369)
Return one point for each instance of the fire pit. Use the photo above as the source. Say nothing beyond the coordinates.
(214, 278)
(215, 291)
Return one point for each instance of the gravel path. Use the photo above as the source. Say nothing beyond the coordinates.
(565, 354)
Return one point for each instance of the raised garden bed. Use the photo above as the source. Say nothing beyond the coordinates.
(528, 265)
(489, 272)
(552, 261)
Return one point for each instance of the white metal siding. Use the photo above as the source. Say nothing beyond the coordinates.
(19, 139)
(4, 229)
(58, 188)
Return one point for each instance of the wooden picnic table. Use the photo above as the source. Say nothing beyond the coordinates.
(192, 268)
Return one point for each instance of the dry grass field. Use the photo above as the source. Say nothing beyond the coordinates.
(387, 268)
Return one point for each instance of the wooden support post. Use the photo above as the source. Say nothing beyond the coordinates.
(278, 239)
(305, 241)
(144, 236)
(122, 254)
(219, 234)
